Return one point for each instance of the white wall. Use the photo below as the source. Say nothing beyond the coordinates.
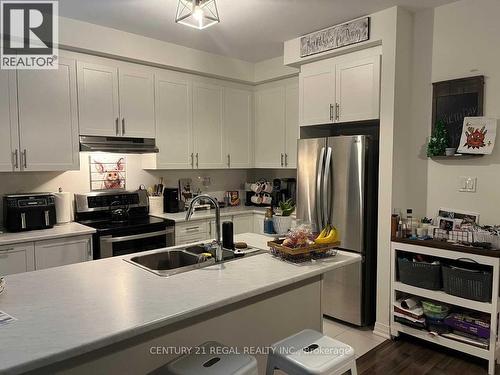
(467, 43)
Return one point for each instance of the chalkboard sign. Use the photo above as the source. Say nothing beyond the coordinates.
(453, 100)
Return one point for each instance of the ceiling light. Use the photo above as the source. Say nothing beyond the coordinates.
(198, 14)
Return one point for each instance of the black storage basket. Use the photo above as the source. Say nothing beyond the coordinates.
(420, 274)
(469, 281)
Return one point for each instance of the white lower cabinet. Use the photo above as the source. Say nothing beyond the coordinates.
(258, 224)
(61, 252)
(243, 224)
(17, 258)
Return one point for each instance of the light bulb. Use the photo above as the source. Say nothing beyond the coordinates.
(198, 14)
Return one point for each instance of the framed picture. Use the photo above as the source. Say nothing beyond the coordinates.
(455, 214)
(478, 135)
(454, 100)
(107, 171)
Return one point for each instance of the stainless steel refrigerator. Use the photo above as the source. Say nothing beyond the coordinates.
(337, 184)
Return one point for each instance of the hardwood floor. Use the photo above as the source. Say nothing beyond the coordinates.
(409, 356)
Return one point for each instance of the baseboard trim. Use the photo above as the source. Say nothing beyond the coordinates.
(382, 330)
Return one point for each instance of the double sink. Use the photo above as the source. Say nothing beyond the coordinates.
(173, 261)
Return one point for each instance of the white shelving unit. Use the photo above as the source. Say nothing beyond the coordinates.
(491, 308)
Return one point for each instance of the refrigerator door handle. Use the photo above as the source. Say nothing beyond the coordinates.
(319, 194)
(326, 198)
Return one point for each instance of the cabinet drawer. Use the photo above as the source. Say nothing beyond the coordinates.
(190, 239)
(191, 229)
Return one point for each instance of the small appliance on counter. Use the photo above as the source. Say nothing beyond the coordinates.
(171, 200)
(29, 211)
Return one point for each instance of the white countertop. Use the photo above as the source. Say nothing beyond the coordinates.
(180, 217)
(67, 311)
(58, 231)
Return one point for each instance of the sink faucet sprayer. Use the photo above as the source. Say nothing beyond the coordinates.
(218, 239)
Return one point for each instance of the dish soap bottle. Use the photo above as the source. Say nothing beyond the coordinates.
(268, 221)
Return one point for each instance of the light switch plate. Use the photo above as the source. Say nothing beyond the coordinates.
(467, 184)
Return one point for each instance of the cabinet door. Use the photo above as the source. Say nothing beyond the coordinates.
(258, 223)
(16, 259)
(48, 120)
(61, 252)
(243, 224)
(270, 128)
(358, 89)
(238, 127)
(208, 127)
(174, 129)
(292, 133)
(317, 93)
(137, 104)
(9, 142)
(98, 108)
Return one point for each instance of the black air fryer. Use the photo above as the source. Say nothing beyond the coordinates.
(24, 212)
(171, 200)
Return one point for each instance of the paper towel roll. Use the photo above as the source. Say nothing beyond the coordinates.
(63, 207)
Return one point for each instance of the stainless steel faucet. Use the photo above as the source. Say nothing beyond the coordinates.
(218, 239)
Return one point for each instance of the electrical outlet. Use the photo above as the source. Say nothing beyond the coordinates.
(467, 184)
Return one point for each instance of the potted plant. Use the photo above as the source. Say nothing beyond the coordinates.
(438, 142)
(282, 221)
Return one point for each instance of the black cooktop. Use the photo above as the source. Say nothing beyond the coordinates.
(107, 226)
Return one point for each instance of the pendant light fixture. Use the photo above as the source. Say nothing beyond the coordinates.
(198, 14)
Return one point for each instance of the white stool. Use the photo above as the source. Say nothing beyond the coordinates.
(311, 353)
(211, 358)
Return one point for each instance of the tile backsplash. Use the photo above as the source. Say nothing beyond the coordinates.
(79, 181)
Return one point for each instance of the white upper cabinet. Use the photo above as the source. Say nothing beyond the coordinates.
(341, 89)
(270, 127)
(137, 105)
(173, 123)
(48, 119)
(209, 145)
(98, 103)
(317, 93)
(292, 125)
(358, 89)
(9, 141)
(238, 127)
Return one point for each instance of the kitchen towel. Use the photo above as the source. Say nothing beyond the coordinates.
(63, 207)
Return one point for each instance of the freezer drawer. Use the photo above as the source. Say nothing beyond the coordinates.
(342, 294)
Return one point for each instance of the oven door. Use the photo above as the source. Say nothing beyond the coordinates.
(135, 243)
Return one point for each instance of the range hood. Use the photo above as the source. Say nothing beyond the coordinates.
(118, 145)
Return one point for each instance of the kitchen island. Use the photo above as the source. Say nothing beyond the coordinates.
(110, 316)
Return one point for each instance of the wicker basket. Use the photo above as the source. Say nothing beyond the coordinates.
(420, 274)
(467, 283)
(302, 254)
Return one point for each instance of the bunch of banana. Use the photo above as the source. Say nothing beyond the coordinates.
(328, 235)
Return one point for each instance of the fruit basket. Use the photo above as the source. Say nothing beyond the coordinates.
(305, 253)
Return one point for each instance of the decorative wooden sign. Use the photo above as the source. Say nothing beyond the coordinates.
(454, 100)
(348, 33)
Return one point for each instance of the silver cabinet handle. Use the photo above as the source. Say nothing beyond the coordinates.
(123, 126)
(282, 160)
(25, 161)
(337, 111)
(331, 112)
(197, 160)
(286, 160)
(229, 160)
(117, 121)
(16, 159)
(89, 251)
(192, 160)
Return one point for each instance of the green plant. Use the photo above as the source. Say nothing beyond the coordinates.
(287, 208)
(439, 140)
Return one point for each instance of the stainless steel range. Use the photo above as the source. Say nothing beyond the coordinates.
(122, 221)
